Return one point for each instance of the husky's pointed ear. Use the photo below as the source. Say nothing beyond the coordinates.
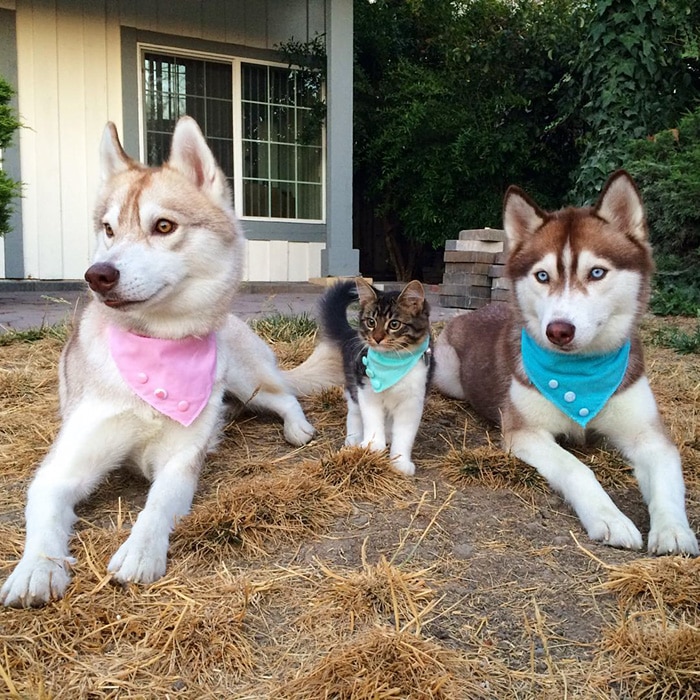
(113, 159)
(190, 155)
(521, 216)
(621, 205)
(365, 291)
(413, 295)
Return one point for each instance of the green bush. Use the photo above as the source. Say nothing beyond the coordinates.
(9, 189)
(666, 168)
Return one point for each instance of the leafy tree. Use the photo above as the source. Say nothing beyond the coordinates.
(636, 72)
(9, 189)
(454, 101)
(666, 168)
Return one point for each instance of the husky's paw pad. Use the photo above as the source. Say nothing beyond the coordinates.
(298, 432)
(672, 539)
(35, 582)
(138, 563)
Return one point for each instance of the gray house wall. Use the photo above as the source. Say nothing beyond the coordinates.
(12, 242)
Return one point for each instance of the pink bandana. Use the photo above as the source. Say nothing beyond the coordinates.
(174, 376)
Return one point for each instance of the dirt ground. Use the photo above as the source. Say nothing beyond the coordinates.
(321, 573)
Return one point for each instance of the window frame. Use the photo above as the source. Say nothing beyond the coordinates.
(143, 47)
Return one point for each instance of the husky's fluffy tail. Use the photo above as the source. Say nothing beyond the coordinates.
(338, 349)
(321, 370)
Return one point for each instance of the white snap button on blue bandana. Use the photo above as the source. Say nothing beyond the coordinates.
(569, 397)
(553, 383)
(583, 412)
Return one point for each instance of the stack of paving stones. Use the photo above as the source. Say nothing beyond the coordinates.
(474, 268)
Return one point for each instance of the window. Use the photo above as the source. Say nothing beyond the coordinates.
(256, 131)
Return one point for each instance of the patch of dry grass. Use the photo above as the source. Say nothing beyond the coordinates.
(320, 572)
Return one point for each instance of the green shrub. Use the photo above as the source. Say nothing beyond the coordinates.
(9, 189)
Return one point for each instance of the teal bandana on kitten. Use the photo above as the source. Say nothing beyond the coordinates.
(578, 385)
(385, 369)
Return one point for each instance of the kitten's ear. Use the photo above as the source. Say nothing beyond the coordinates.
(365, 291)
(413, 296)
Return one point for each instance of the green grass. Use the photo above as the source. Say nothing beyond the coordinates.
(678, 340)
(32, 335)
(284, 328)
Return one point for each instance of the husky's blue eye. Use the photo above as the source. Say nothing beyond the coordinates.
(597, 273)
(542, 277)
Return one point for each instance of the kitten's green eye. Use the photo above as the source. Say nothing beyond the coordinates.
(394, 325)
(370, 322)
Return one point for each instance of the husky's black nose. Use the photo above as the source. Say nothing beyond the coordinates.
(560, 332)
(102, 277)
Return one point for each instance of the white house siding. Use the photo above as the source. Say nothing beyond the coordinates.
(280, 261)
(70, 85)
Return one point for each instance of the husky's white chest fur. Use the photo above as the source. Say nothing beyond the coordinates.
(580, 280)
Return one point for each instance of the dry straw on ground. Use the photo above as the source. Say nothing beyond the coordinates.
(321, 572)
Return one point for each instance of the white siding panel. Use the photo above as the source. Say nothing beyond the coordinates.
(72, 142)
(298, 262)
(258, 268)
(285, 21)
(38, 108)
(279, 261)
(234, 12)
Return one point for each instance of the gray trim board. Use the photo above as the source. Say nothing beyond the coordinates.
(339, 257)
(14, 240)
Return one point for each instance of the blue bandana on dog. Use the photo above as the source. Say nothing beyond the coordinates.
(578, 385)
(385, 369)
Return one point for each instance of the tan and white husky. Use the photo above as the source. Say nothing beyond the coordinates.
(564, 358)
(143, 376)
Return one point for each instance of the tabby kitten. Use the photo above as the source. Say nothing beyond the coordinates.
(387, 361)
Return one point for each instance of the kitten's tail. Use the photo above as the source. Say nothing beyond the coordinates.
(325, 366)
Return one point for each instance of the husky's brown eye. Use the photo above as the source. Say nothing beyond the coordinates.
(108, 230)
(163, 227)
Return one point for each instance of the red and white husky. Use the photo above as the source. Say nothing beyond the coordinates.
(564, 358)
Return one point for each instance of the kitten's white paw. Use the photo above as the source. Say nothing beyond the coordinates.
(35, 581)
(353, 440)
(672, 538)
(613, 528)
(298, 432)
(140, 560)
(403, 465)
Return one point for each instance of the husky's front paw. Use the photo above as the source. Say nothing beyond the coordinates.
(403, 465)
(139, 560)
(298, 432)
(615, 529)
(35, 581)
(672, 538)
